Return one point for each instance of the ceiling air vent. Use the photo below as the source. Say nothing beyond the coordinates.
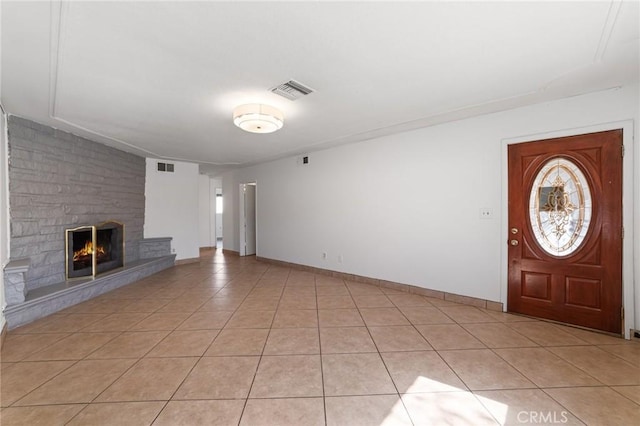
(292, 90)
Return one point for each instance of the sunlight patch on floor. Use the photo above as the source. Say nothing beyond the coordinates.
(449, 405)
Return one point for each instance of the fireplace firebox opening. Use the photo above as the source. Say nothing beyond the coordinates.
(91, 250)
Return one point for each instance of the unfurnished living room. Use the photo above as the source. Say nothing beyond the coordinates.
(319, 213)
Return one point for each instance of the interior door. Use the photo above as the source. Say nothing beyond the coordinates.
(250, 219)
(565, 230)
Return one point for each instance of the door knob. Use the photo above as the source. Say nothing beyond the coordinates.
(514, 242)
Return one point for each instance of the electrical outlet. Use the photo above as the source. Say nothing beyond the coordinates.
(324, 255)
(173, 250)
(340, 258)
(486, 213)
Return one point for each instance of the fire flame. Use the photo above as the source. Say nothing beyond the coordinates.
(87, 250)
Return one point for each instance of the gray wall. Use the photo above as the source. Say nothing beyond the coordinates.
(58, 180)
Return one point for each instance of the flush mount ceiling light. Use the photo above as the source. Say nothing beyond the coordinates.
(258, 118)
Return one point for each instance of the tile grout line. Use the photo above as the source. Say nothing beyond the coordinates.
(442, 359)
(138, 361)
(142, 357)
(76, 362)
(544, 390)
(195, 363)
(398, 395)
(623, 395)
(264, 346)
(324, 395)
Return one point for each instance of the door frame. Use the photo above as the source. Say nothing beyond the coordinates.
(241, 237)
(630, 297)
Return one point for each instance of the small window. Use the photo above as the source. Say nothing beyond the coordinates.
(218, 203)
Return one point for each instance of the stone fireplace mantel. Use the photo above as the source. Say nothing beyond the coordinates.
(48, 300)
(15, 283)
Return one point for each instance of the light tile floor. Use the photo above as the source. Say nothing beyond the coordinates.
(231, 341)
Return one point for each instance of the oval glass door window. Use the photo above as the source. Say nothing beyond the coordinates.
(560, 207)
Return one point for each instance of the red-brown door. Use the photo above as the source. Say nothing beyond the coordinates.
(565, 230)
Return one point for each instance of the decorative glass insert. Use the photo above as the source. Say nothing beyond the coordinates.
(560, 207)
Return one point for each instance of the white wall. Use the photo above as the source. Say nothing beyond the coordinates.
(230, 194)
(204, 211)
(171, 207)
(405, 207)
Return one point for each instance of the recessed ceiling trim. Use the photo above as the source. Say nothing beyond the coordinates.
(54, 53)
(607, 30)
(77, 53)
(101, 135)
(59, 12)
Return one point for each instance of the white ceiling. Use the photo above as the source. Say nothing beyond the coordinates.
(161, 78)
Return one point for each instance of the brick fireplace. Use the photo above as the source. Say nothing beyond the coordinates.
(60, 181)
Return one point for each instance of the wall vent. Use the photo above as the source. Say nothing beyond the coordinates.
(292, 90)
(165, 167)
(302, 160)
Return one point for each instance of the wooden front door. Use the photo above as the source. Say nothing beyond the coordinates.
(565, 230)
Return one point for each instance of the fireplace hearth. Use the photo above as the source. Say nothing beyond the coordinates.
(91, 250)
